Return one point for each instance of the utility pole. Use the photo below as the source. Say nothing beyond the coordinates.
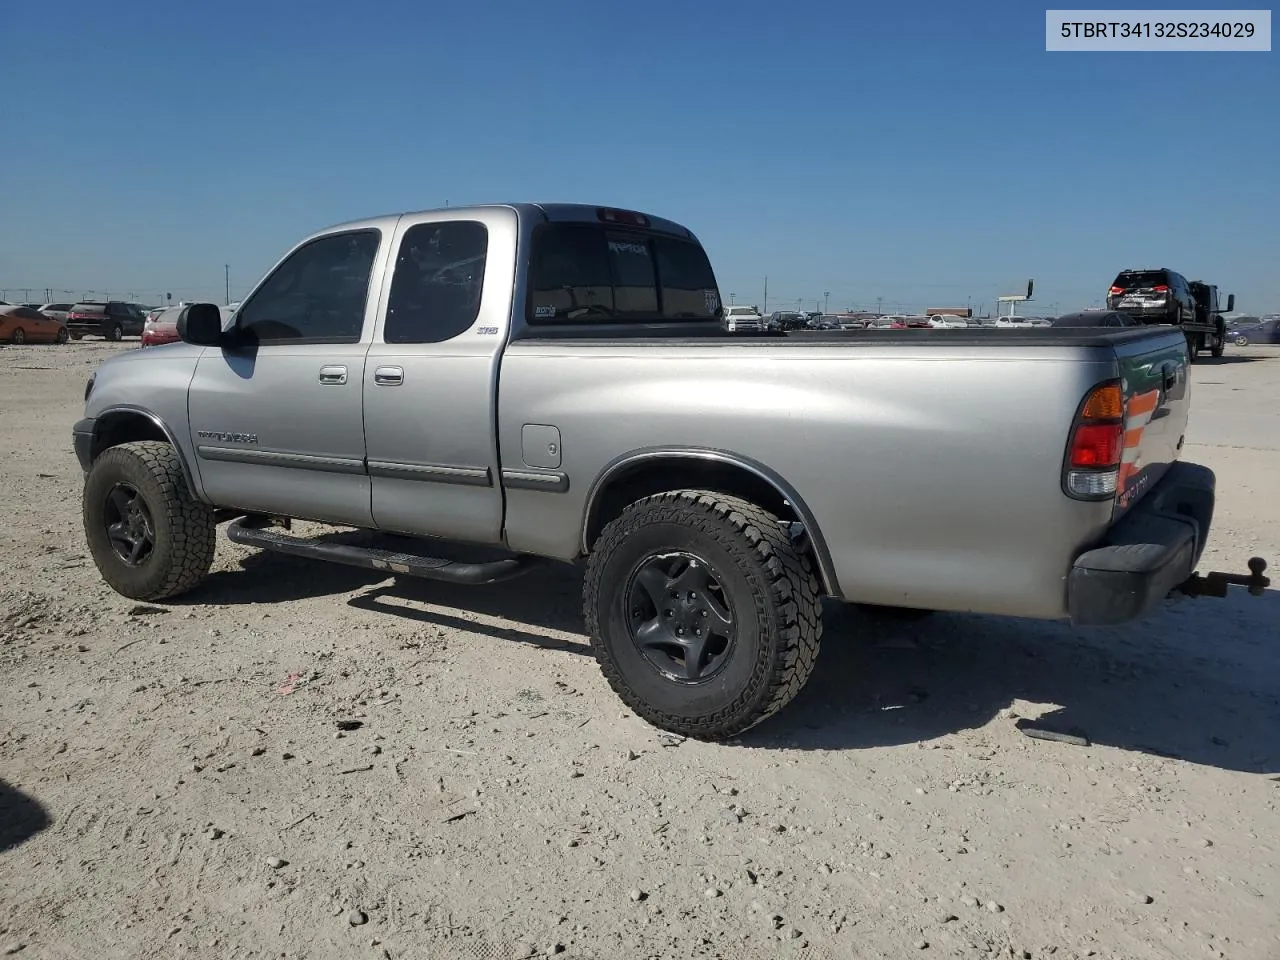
(879, 312)
(766, 294)
(731, 297)
(226, 276)
(826, 301)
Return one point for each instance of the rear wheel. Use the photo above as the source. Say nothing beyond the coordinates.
(1219, 345)
(18, 337)
(116, 333)
(148, 537)
(704, 617)
(1241, 340)
(62, 336)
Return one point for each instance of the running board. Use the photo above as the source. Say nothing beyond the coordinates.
(250, 532)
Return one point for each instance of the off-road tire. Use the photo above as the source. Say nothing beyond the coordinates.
(185, 533)
(770, 585)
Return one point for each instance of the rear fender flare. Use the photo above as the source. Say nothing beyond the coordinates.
(620, 466)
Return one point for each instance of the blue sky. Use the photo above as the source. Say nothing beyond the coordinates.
(922, 154)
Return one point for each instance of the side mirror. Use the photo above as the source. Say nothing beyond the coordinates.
(1231, 302)
(201, 324)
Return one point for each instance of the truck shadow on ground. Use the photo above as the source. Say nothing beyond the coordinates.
(1228, 358)
(21, 817)
(1199, 681)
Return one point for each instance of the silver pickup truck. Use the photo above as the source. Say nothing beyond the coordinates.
(555, 383)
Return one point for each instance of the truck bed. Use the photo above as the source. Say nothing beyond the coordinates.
(930, 460)
(936, 337)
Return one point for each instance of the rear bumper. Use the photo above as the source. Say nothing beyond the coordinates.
(82, 441)
(1150, 551)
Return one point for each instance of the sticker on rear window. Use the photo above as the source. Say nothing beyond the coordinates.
(545, 311)
(712, 300)
(624, 246)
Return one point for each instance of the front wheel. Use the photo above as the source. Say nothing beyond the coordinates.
(62, 336)
(116, 333)
(704, 617)
(1242, 340)
(19, 337)
(148, 537)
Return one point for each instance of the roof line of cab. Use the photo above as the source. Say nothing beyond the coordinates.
(550, 212)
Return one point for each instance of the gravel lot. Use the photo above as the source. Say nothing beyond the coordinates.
(175, 782)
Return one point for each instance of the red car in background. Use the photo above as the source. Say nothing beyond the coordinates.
(162, 327)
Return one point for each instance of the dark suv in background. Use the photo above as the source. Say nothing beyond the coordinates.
(113, 319)
(1162, 295)
(1152, 296)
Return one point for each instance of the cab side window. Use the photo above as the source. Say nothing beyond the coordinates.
(438, 281)
(317, 295)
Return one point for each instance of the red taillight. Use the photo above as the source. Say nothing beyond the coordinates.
(1116, 291)
(1160, 288)
(1096, 448)
(1097, 445)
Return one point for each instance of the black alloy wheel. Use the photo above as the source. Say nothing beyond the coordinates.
(129, 526)
(681, 620)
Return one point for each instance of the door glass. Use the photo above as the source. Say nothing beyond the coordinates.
(317, 295)
(435, 292)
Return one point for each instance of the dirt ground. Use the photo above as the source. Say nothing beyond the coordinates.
(175, 783)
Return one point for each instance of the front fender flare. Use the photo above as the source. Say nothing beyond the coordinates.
(102, 425)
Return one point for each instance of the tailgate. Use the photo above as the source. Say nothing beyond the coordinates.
(1154, 378)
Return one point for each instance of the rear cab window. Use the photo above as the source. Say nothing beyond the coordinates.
(1142, 280)
(593, 273)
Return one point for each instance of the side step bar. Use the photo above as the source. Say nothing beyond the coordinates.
(252, 532)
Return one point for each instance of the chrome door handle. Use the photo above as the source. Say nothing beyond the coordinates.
(388, 376)
(334, 375)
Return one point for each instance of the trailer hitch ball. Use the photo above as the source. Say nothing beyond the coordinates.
(1257, 582)
(1215, 584)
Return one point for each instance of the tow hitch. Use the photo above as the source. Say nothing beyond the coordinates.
(1215, 584)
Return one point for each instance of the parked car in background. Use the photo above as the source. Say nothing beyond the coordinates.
(163, 327)
(20, 325)
(948, 321)
(112, 319)
(743, 320)
(58, 311)
(1265, 331)
(1095, 318)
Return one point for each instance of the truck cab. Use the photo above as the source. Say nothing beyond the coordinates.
(1211, 328)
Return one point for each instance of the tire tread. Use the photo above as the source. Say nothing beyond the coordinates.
(793, 593)
(193, 533)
